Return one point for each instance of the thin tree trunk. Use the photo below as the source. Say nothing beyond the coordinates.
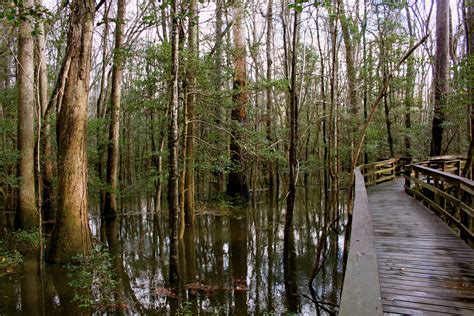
(218, 77)
(468, 7)
(110, 206)
(409, 88)
(101, 106)
(440, 75)
(351, 74)
(388, 122)
(332, 158)
(324, 108)
(237, 186)
(366, 74)
(173, 187)
(292, 150)
(383, 72)
(26, 214)
(269, 92)
(191, 104)
(46, 146)
(71, 235)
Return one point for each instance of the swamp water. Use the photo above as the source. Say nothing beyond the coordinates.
(231, 262)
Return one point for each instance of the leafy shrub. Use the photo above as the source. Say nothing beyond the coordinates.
(93, 280)
(9, 260)
(26, 241)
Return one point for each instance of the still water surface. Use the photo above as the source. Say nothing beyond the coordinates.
(230, 263)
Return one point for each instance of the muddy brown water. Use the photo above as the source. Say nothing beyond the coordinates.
(231, 262)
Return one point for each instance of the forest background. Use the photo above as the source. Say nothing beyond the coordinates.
(200, 99)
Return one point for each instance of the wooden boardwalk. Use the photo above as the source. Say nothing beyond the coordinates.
(424, 268)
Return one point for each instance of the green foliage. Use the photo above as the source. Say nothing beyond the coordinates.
(26, 241)
(9, 260)
(93, 280)
(8, 129)
(12, 13)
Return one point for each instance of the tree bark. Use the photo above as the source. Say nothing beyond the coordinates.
(26, 214)
(409, 88)
(71, 234)
(173, 187)
(351, 75)
(469, 29)
(46, 150)
(292, 149)
(269, 91)
(191, 112)
(218, 82)
(102, 106)
(237, 187)
(110, 207)
(440, 75)
(324, 110)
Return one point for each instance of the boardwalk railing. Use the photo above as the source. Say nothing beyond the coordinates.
(437, 183)
(361, 291)
(377, 172)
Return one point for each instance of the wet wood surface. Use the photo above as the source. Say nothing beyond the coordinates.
(424, 268)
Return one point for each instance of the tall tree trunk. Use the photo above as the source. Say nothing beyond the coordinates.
(388, 122)
(26, 214)
(269, 91)
(191, 112)
(366, 75)
(46, 151)
(468, 7)
(332, 131)
(101, 106)
(71, 234)
(440, 75)
(220, 175)
(409, 88)
(383, 72)
(110, 207)
(324, 109)
(351, 74)
(173, 188)
(237, 186)
(292, 150)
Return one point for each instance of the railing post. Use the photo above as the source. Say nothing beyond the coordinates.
(464, 217)
(407, 173)
(417, 186)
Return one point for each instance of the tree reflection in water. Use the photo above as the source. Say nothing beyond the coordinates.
(227, 263)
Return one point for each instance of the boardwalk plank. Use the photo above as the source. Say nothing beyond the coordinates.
(424, 268)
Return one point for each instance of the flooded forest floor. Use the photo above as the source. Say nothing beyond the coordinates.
(230, 262)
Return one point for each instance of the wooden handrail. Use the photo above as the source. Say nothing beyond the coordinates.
(378, 172)
(361, 290)
(449, 195)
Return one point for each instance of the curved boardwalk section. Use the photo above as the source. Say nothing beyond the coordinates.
(424, 268)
